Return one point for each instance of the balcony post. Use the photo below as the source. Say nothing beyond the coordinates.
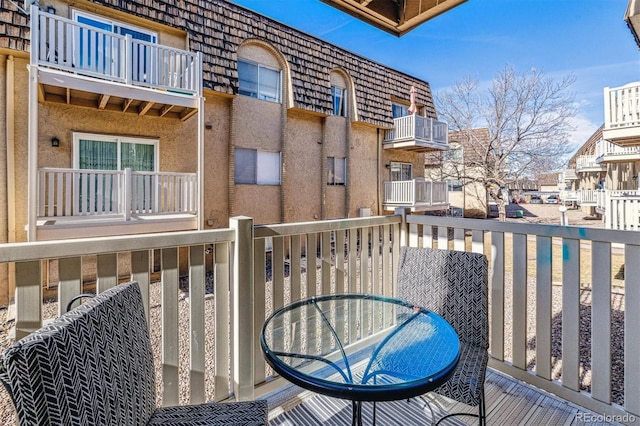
(127, 190)
(243, 334)
(126, 60)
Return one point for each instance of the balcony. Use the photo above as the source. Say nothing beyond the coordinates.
(621, 209)
(588, 163)
(417, 133)
(81, 203)
(558, 322)
(83, 65)
(591, 197)
(608, 152)
(416, 194)
(622, 114)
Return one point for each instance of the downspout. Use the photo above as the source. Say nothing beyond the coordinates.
(200, 131)
(11, 170)
(323, 170)
(347, 192)
(11, 157)
(32, 153)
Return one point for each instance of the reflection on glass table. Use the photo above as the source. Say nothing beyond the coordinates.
(360, 347)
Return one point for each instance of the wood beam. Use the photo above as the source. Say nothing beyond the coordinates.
(68, 95)
(126, 104)
(165, 109)
(103, 101)
(144, 108)
(41, 94)
(186, 114)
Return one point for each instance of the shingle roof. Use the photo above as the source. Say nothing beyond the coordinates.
(589, 147)
(474, 143)
(217, 28)
(548, 179)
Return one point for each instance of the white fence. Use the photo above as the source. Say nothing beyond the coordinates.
(417, 127)
(622, 106)
(64, 44)
(539, 315)
(77, 193)
(415, 193)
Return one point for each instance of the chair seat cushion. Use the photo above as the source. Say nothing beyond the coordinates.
(250, 413)
(467, 381)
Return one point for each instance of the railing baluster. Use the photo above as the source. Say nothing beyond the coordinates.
(170, 349)
(497, 297)
(601, 321)
(197, 290)
(519, 306)
(543, 306)
(571, 313)
(28, 297)
(107, 265)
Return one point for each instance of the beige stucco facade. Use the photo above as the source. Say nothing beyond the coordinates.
(304, 137)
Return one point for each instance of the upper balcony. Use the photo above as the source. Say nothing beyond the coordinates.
(622, 114)
(416, 194)
(80, 64)
(608, 152)
(588, 163)
(417, 133)
(76, 203)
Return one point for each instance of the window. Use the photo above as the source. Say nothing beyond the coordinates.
(398, 110)
(259, 81)
(454, 185)
(97, 51)
(336, 171)
(105, 152)
(454, 155)
(256, 167)
(401, 171)
(339, 98)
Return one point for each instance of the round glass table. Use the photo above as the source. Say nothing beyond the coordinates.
(360, 347)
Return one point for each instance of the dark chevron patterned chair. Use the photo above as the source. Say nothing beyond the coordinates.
(94, 366)
(454, 284)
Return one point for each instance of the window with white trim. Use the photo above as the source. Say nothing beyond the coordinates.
(399, 110)
(401, 171)
(336, 171)
(454, 185)
(339, 99)
(256, 167)
(259, 81)
(108, 152)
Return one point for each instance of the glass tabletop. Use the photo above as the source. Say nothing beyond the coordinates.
(360, 347)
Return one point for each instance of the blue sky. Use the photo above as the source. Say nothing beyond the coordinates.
(586, 38)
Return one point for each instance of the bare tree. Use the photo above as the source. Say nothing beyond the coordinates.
(527, 121)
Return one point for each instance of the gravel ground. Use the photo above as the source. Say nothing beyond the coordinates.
(533, 214)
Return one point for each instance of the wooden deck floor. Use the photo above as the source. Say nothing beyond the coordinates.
(509, 402)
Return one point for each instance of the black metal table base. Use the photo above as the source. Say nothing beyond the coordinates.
(356, 416)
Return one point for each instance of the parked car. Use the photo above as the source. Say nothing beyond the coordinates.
(535, 199)
(552, 199)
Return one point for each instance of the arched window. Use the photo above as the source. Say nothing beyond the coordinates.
(259, 74)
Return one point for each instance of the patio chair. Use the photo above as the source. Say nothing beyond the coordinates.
(453, 284)
(94, 366)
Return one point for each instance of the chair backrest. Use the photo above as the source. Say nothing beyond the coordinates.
(91, 366)
(451, 283)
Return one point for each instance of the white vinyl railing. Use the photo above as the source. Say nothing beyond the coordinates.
(622, 106)
(66, 45)
(587, 162)
(80, 193)
(590, 196)
(605, 149)
(417, 127)
(416, 192)
(540, 277)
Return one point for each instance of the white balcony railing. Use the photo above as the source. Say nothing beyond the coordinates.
(590, 196)
(415, 193)
(588, 163)
(622, 106)
(81, 49)
(564, 348)
(608, 151)
(79, 193)
(416, 127)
